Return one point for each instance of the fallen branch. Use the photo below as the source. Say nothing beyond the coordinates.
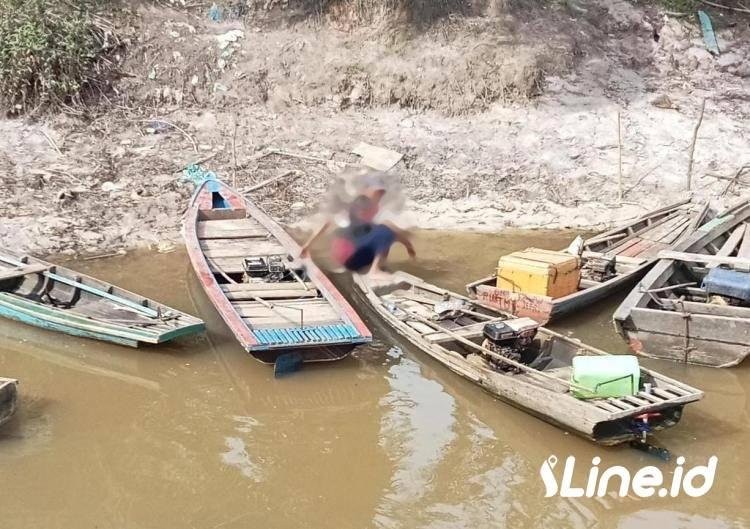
(289, 154)
(51, 142)
(255, 158)
(271, 180)
(641, 179)
(692, 145)
(722, 6)
(169, 124)
(197, 162)
(733, 180)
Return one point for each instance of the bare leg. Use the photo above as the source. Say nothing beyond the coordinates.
(403, 237)
(380, 261)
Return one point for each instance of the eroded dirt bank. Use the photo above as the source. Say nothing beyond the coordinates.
(505, 120)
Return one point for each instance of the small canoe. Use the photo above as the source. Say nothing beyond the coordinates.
(672, 314)
(8, 398)
(272, 302)
(56, 298)
(611, 261)
(450, 328)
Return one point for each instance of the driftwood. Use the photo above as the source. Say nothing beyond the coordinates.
(271, 180)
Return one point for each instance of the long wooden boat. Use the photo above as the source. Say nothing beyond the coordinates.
(245, 262)
(59, 299)
(610, 261)
(449, 328)
(8, 398)
(672, 314)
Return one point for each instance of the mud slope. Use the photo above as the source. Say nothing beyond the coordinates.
(506, 117)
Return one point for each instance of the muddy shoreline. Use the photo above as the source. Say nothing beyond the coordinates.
(109, 179)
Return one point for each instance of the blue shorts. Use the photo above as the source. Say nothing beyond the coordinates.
(376, 241)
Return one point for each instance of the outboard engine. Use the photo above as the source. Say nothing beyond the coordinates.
(509, 338)
(727, 287)
(270, 268)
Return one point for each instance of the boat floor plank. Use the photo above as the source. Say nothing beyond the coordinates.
(258, 286)
(271, 294)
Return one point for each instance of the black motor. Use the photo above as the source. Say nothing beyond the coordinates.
(270, 268)
(510, 338)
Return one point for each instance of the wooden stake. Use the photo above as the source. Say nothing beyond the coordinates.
(692, 146)
(234, 156)
(619, 147)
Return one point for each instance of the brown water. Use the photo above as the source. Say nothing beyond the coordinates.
(199, 435)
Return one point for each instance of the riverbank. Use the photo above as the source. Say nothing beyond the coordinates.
(107, 181)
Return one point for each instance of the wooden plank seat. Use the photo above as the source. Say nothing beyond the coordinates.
(241, 248)
(249, 291)
(23, 271)
(230, 229)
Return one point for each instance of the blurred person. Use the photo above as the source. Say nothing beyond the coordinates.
(359, 242)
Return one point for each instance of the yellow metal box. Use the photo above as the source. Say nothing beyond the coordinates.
(542, 272)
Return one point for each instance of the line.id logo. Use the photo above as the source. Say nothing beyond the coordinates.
(646, 482)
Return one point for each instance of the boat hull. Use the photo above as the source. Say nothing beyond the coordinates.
(313, 341)
(660, 320)
(635, 248)
(600, 423)
(545, 309)
(60, 300)
(8, 399)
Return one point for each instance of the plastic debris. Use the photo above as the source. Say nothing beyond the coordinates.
(229, 37)
(709, 36)
(196, 174)
(215, 13)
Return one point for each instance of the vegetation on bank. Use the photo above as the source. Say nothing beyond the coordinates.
(50, 52)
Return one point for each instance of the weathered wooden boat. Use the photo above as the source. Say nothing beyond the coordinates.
(272, 302)
(610, 261)
(694, 305)
(56, 298)
(450, 328)
(8, 399)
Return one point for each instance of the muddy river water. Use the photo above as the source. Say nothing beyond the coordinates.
(197, 434)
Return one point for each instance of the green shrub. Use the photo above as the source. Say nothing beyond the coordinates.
(48, 52)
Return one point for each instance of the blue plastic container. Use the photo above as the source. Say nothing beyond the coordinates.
(729, 283)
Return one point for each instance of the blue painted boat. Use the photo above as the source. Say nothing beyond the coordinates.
(52, 297)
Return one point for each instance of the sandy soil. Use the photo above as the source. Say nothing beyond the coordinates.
(504, 121)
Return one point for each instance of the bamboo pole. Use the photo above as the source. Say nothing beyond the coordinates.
(692, 146)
